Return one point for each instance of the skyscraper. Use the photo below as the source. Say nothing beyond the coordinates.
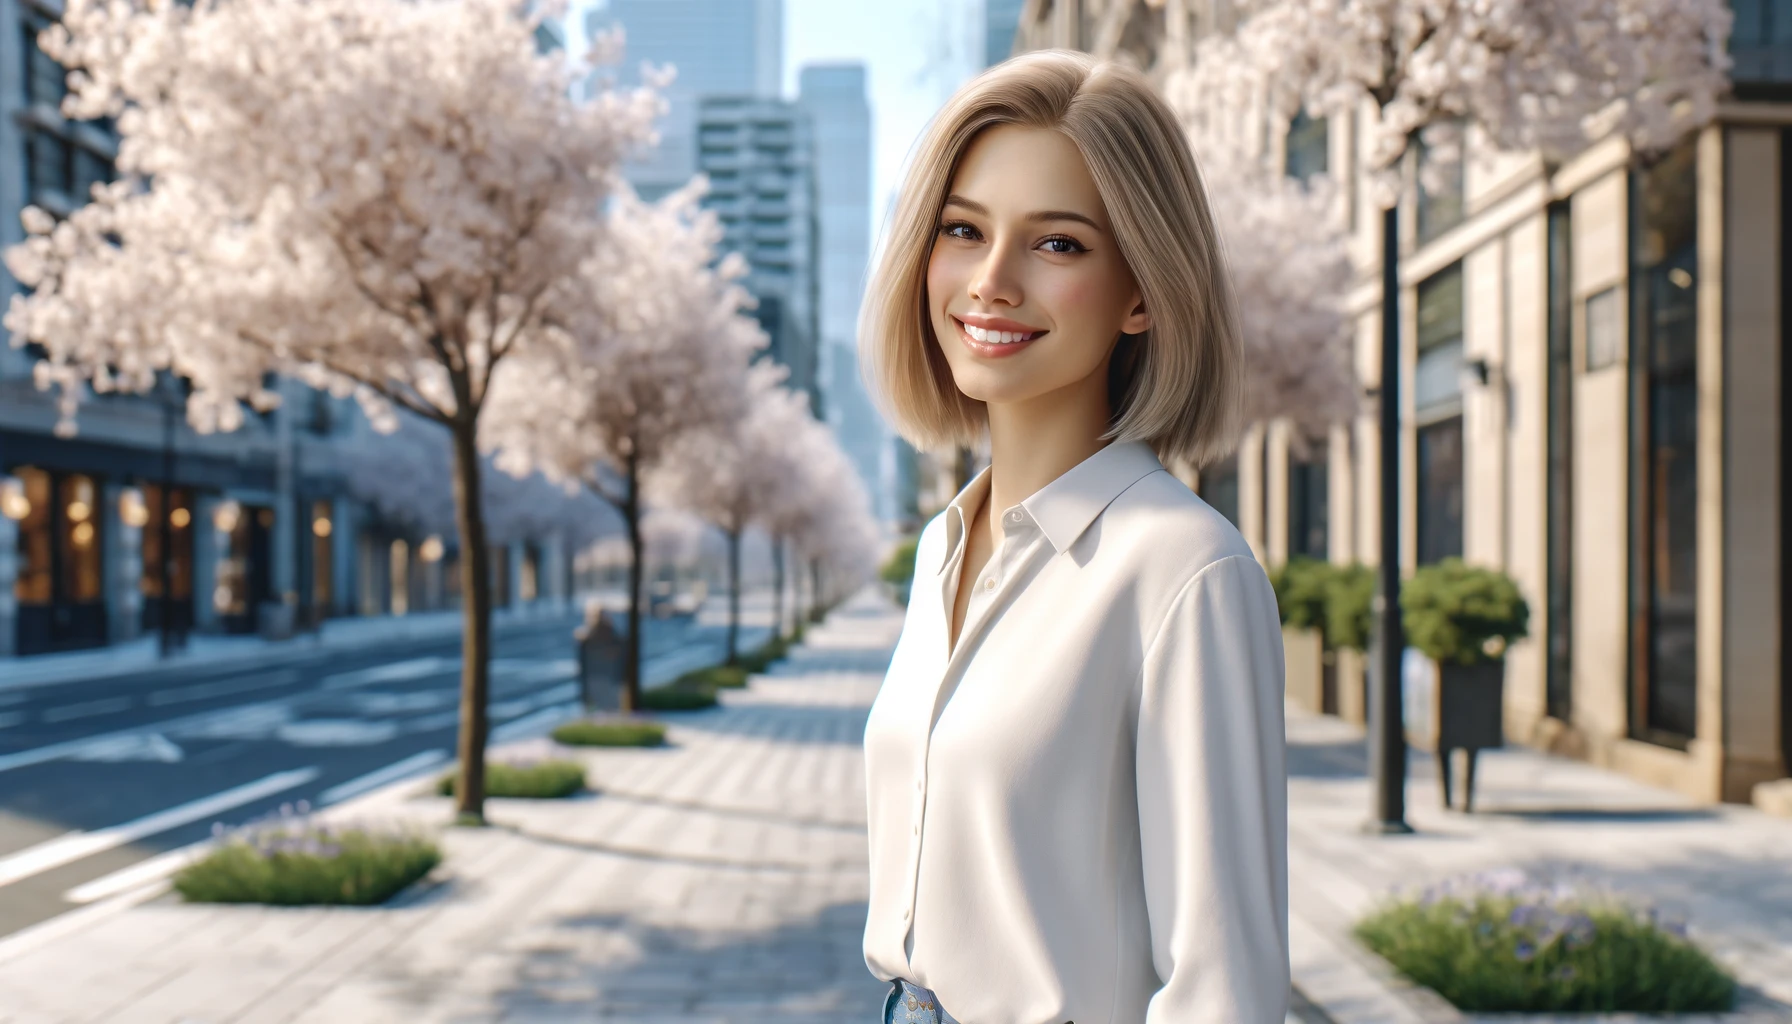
(760, 158)
(834, 97)
(719, 48)
(1000, 19)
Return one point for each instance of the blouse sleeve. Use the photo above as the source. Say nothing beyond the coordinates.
(1213, 802)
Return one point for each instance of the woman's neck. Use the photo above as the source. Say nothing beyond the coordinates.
(1034, 442)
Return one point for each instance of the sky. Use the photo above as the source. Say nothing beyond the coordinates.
(915, 53)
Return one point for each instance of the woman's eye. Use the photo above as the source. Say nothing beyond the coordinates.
(1063, 245)
(959, 229)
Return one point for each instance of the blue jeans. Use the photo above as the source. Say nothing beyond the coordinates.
(911, 1004)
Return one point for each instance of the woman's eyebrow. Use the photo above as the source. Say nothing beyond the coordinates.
(1037, 216)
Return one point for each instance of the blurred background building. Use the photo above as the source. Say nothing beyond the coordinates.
(1595, 403)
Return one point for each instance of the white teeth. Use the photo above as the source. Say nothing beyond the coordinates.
(995, 337)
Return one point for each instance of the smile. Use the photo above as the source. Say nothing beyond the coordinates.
(994, 343)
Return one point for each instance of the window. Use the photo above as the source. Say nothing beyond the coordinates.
(1761, 48)
(35, 582)
(1664, 439)
(1308, 146)
(1602, 329)
(1559, 685)
(1307, 504)
(1441, 185)
(45, 79)
(1437, 380)
(1440, 490)
(1219, 487)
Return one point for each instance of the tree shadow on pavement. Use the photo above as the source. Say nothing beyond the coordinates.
(616, 967)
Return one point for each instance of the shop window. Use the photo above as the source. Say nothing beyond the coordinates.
(1307, 482)
(1440, 490)
(1219, 487)
(36, 580)
(1308, 147)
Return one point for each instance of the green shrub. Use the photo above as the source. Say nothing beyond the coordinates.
(679, 697)
(724, 676)
(1457, 612)
(1349, 596)
(899, 569)
(296, 861)
(1503, 942)
(1301, 585)
(587, 733)
(529, 780)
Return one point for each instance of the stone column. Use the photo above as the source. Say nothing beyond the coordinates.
(121, 562)
(9, 572)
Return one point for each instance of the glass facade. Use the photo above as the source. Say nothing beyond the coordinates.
(60, 585)
(1664, 486)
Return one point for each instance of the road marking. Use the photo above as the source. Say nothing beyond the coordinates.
(70, 748)
(413, 765)
(75, 845)
(142, 873)
(415, 668)
(153, 747)
(204, 691)
(86, 709)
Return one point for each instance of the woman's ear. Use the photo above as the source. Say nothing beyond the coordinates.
(1138, 321)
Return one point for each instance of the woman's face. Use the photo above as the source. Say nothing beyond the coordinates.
(1024, 251)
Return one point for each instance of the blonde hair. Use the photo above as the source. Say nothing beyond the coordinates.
(1177, 385)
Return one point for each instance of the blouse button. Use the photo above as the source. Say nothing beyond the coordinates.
(989, 584)
(1014, 517)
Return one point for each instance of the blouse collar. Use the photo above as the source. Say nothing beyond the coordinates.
(1064, 508)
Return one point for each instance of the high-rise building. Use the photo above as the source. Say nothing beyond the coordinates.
(718, 48)
(760, 158)
(1000, 19)
(834, 97)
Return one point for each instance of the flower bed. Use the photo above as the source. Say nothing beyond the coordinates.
(529, 780)
(291, 859)
(1507, 941)
(623, 733)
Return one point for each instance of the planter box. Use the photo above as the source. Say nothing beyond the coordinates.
(1453, 707)
(1301, 656)
(1352, 686)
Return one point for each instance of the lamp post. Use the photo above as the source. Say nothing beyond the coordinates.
(166, 643)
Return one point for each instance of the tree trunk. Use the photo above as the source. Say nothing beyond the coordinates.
(631, 651)
(815, 609)
(476, 624)
(733, 595)
(777, 587)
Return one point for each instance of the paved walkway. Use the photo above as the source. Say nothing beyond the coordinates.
(723, 879)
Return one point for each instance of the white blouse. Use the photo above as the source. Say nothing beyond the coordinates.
(1080, 813)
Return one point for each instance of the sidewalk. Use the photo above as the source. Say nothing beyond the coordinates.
(719, 879)
(723, 879)
(1727, 868)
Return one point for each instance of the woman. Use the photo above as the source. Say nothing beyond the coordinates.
(1075, 766)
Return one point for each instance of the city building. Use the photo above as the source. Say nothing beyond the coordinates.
(1001, 18)
(136, 522)
(718, 48)
(759, 155)
(834, 97)
(1594, 401)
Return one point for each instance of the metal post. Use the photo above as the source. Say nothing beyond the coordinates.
(164, 529)
(1387, 733)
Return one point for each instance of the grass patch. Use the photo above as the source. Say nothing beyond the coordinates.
(721, 676)
(294, 860)
(611, 734)
(679, 697)
(529, 780)
(1507, 942)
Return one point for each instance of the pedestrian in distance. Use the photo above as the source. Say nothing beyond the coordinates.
(1075, 767)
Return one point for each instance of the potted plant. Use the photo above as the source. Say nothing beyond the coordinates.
(1300, 586)
(1462, 617)
(1349, 594)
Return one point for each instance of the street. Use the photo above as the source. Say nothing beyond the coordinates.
(99, 777)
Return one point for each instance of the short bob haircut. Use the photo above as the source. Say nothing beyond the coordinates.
(1177, 385)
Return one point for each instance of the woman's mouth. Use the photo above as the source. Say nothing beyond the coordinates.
(986, 342)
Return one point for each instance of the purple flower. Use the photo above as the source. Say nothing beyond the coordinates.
(1524, 950)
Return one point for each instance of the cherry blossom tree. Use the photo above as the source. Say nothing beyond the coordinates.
(654, 345)
(1548, 76)
(379, 197)
(739, 474)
